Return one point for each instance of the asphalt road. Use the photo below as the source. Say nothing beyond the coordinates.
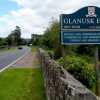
(7, 57)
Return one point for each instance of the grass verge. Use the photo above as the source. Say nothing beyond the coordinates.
(22, 84)
(34, 49)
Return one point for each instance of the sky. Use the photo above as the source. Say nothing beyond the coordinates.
(34, 16)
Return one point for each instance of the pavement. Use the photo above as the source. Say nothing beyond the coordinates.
(30, 60)
(7, 57)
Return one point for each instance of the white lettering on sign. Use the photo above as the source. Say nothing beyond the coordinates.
(80, 21)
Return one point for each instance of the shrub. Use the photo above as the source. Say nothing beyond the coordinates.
(80, 68)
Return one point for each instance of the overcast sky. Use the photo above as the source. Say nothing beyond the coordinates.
(34, 16)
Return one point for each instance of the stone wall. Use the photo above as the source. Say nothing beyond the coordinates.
(60, 85)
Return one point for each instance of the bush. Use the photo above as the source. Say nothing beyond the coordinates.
(80, 68)
(85, 50)
(51, 53)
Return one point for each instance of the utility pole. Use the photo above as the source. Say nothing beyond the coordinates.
(97, 70)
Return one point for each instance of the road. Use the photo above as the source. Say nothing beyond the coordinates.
(7, 57)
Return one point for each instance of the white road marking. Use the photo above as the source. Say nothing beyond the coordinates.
(13, 62)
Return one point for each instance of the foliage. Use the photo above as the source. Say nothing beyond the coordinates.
(80, 68)
(36, 40)
(46, 40)
(51, 39)
(3, 43)
(15, 37)
(85, 50)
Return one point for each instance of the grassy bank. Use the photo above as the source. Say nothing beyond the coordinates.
(34, 49)
(22, 84)
(8, 49)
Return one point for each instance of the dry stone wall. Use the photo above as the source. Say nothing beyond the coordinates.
(60, 85)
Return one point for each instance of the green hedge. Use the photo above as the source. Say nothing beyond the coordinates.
(1, 47)
(80, 68)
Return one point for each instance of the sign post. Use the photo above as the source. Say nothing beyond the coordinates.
(83, 27)
(97, 71)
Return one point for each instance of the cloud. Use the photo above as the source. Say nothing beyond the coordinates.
(26, 18)
(34, 16)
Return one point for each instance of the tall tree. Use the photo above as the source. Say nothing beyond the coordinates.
(15, 37)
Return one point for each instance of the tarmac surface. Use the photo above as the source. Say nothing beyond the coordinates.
(7, 57)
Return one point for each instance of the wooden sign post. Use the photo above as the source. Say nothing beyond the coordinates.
(97, 70)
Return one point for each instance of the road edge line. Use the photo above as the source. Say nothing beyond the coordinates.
(13, 62)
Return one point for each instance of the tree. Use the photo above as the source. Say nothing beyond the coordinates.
(15, 37)
(35, 40)
(51, 39)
